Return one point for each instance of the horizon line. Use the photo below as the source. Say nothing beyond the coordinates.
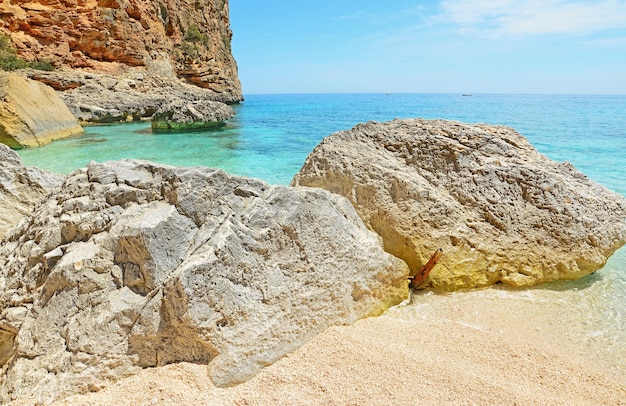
(433, 93)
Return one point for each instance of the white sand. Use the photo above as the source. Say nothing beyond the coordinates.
(492, 347)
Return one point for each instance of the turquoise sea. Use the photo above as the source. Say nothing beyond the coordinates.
(271, 136)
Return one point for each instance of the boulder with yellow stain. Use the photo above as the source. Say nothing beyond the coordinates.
(501, 211)
(32, 114)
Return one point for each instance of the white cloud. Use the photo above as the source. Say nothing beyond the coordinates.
(357, 15)
(519, 17)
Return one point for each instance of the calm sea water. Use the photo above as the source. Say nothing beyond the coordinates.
(272, 134)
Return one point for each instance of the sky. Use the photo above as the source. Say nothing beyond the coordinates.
(446, 46)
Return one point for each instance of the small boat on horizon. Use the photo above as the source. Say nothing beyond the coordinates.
(466, 94)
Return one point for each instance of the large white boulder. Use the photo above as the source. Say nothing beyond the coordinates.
(501, 211)
(132, 264)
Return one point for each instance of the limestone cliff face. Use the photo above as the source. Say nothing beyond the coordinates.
(93, 33)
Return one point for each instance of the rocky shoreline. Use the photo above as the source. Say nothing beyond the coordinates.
(104, 36)
(128, 265)
(131, 93)
(122, 268)
(38, 107)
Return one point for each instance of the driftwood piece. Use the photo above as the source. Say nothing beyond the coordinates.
(420, 277)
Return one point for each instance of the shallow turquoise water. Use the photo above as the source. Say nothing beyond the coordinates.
(272, 134)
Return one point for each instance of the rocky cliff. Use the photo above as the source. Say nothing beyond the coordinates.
(103, 35)
(501, 211)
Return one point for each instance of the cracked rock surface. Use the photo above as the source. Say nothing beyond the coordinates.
(501, 211)
(21, 188)
(131, 93)
(131, 264)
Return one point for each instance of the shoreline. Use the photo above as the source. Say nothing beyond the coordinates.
(526, 346)
(485, 347)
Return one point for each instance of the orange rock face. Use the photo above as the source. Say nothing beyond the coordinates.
(93, 33)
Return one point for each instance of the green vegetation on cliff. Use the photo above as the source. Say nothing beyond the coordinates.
(9, 60)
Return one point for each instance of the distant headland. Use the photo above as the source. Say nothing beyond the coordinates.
(119, 60)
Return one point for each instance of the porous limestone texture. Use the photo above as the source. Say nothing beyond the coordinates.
(194, 34)
(185, 115)
(132, 264)
(501, 211)
(21, 188)
(31, 113)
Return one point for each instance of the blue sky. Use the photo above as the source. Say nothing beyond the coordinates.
(457, 46)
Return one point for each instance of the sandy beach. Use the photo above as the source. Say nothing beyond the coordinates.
(490, 347)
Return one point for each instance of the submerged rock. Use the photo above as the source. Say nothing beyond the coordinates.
(31, 113)
(132, 264)
(191, 115)
(21, 188)
(501, 211)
